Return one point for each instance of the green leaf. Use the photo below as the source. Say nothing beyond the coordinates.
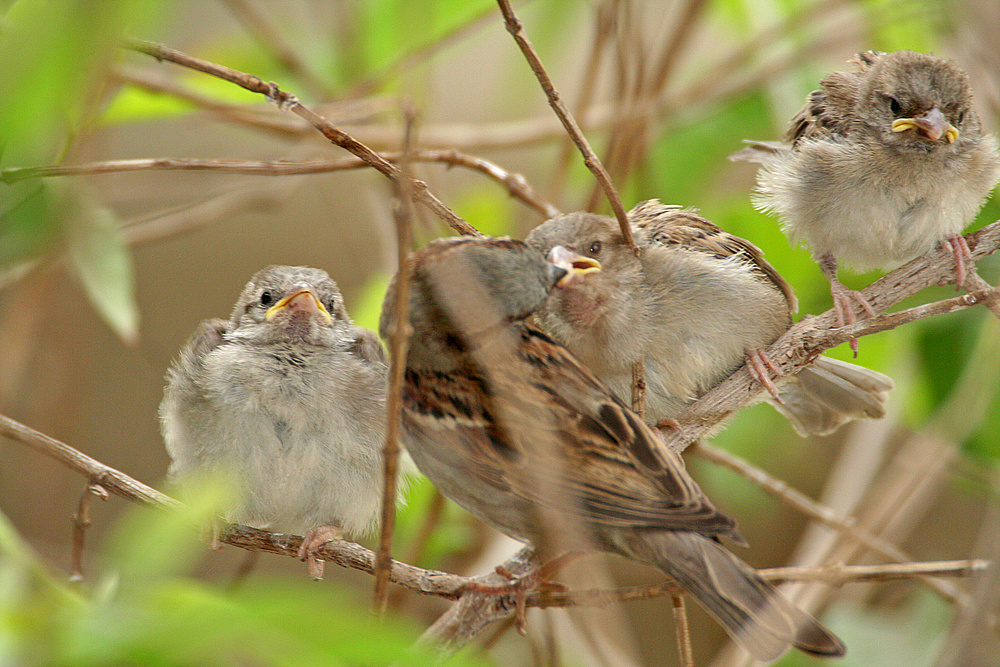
(53, 55)
(28, 226)
(103, 263)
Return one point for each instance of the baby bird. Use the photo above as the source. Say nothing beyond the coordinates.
(508, 424)
(287, 399)
(880, 166)
(694, 306)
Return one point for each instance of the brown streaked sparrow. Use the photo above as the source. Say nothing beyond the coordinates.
(508, 424)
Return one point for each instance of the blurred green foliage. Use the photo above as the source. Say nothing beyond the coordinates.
(147, 609)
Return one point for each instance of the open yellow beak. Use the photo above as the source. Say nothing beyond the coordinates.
(576, 266)
(932, 124)
(300, 297)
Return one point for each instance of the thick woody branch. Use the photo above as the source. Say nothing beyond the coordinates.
(810, 337)
(429, 582)
(288, 102)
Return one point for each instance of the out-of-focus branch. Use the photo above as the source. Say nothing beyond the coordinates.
(288, 102)
(516, 29)
(516, 184)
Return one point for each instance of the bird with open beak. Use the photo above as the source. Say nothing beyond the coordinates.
(287, 401)
(880, 166)
(695, 305)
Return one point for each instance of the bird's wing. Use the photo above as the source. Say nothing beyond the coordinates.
(674, 227)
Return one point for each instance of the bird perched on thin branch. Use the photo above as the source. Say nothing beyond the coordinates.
(880, 166)
(508, 424)
(693, 307)
(286, 399)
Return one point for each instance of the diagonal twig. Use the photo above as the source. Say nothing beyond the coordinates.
(288, 102)
(516, 29)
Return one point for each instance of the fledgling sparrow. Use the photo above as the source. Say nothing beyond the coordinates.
(880, 166)
(694, 306)
(508, 424)
(286, 399)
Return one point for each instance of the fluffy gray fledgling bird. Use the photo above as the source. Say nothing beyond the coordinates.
(287, 398)
(508, 424)
(880, 166)
(694, 306)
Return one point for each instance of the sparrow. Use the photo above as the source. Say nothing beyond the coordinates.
(286, 399)
(695, 305)
(512, 427)
(880, 166)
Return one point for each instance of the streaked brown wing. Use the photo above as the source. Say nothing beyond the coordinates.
(615, 465)
(672, 226)
(544, 430)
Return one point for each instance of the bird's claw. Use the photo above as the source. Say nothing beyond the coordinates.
(843, 303)
(760, 367)
(521, 586)
(311, 542)
(959, 248)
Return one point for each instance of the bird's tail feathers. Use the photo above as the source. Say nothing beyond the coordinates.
(751, 610)
(829, 393)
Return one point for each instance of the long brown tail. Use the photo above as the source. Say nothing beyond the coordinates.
(754, 614)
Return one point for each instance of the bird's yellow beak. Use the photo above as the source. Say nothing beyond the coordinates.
(300, 297)
(576, 266)
(932, 124)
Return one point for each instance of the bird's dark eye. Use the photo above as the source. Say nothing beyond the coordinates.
(961, 117)
(894, 105)
(595, 248)
(266, 298)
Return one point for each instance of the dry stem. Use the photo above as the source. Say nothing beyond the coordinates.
(288, 102)
(516, 184)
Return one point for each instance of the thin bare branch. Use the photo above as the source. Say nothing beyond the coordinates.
(399, 341)
(516, 29)
(835, 574)
(683, 631)
(846, 525)
(112, 480)
(288, 102)
(516, 184)
(81, 522)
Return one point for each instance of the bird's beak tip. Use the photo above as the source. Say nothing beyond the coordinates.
(576, 266)
(301, 297)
